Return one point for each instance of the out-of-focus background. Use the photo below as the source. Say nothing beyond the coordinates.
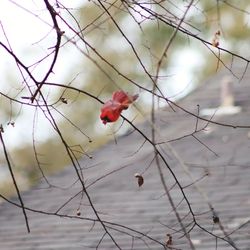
(97, 55)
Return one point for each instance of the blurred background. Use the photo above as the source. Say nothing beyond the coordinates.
(97, 55)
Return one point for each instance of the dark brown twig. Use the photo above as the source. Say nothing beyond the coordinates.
(14, 181)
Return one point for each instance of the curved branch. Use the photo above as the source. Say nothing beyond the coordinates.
(59, 34)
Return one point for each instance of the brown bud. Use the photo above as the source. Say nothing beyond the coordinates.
(64, 100)
(139, 179)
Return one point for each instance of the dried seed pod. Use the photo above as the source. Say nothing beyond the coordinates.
(169, 241)
(216, 38)
(78, 212)
(216, 219)
(139, 179)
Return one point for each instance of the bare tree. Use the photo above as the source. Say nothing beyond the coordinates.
(105, 35)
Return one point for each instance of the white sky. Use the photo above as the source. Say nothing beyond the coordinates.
(24, 31)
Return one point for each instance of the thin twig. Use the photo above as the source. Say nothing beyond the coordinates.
(14, 182)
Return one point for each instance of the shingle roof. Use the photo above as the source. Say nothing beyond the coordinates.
(138, 218)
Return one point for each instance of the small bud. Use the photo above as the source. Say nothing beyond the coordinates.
(78, 212)
(207, 173)
(61, 32)
(139, 179)
(11, 123)
(64, 100)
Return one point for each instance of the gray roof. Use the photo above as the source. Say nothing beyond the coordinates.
(211, 195)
